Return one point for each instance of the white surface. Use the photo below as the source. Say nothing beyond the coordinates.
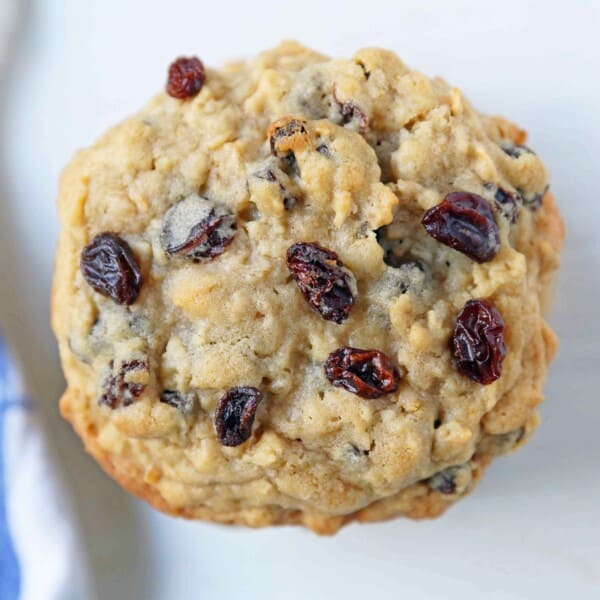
(532, 528)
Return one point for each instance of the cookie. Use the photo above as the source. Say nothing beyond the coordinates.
(304, 291)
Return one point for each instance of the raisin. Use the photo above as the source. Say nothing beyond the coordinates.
(324, 150)
(452, 480)
(197, 228)
(515, 150)
(186, 77)
(109, 267)
(351, 113)
(507, 205)
(183, 402)
(285, 136)
(367, 373)
(118, 391)
(478, 341)
(443, 482)
(282, 133)
(328, 286)
(464, 222)
(506, 202)
(235, 415)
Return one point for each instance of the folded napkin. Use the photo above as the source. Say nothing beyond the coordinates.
(41, 557)
(9, 567)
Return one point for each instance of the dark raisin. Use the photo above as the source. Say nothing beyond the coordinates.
(506, 202)
(109, 266)
(443, 482)
(119, 390)
(328, 286)
(283, 132)
(285, 136)
(351, 113)
(533, 200)
(186, 77)
(478, 341)
(324, 150)
(183, 402)
(452, 480)
(235, 415)
(515, 150)
(465, 222)
(197, 228)
(367, 373)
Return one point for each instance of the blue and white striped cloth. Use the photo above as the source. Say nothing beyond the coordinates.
(11, 398)
(41, 557)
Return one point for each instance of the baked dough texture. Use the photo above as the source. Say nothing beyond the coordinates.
(379, 144)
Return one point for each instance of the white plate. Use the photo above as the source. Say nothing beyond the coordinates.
(532, 528)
